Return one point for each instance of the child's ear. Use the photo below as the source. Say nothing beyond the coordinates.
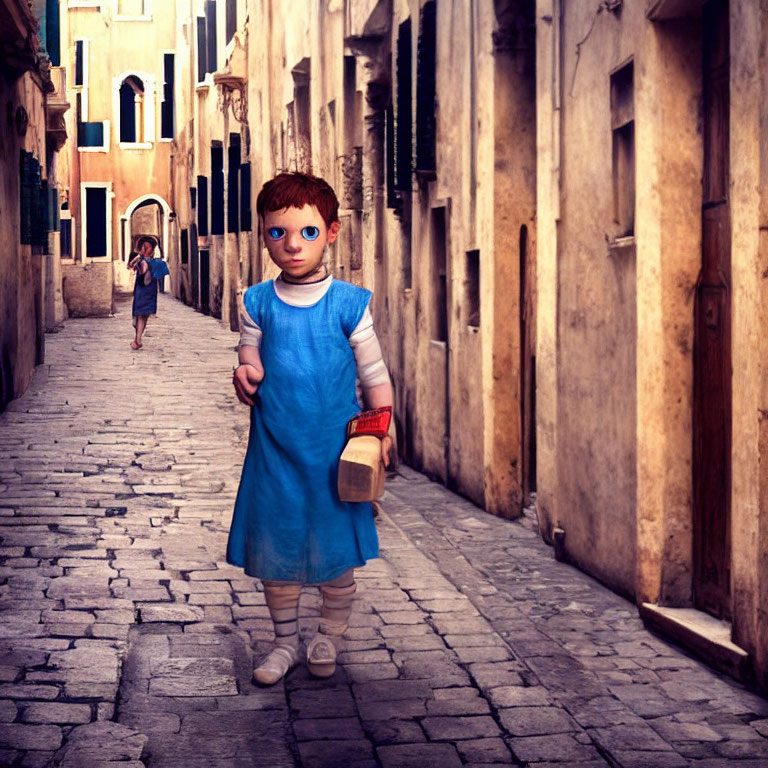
(333, 231)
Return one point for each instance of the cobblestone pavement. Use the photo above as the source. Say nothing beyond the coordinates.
(126, 640)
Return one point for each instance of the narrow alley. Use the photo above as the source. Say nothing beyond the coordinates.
(127, 640)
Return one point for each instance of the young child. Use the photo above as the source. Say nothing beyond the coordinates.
(305, 340)
(144, 290)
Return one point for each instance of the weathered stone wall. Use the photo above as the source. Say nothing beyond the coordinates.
(88, 289)
(22, 302)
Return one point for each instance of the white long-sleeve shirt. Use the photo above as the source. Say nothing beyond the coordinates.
(371, 368)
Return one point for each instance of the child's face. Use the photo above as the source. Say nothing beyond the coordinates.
(296, 238)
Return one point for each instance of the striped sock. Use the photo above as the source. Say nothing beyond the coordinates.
(283, 604)
(337, 603)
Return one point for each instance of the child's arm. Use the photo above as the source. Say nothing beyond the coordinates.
(372, 372)
(144, 270)
(249, 374)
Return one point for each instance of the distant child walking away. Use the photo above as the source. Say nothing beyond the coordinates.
(306, 339)
(148, 271)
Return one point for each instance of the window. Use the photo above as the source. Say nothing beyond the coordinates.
(184, 246)
(623, 132)
(389, 151)
(65, 238)
(206, 41)
(167, 108)
(33, 201)
(403, 131)
(439, 277)
(426, 123)
(91, 136)
(231, 25)
(202, 205)
(49, 31)
(233, 183)
(133, 106)
(132, 110)
(81, 55)
(245, 197)
(134, 9)
(96, 229)
(217, 188)
(210, 33)
(472, 285)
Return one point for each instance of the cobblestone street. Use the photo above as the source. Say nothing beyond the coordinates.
(126, 640)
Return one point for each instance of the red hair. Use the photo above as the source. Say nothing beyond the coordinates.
(295, 190)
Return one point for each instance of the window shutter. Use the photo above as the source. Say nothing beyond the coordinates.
(404, 130)
(217, 189)
(202, 205)
(426, 124)
(245, 198)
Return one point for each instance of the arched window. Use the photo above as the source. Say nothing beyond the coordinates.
(132, 110)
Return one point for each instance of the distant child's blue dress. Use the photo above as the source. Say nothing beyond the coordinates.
(289, 523)
(144, 296)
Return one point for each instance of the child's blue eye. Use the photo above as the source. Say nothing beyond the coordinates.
(275, 233)
(310, 233)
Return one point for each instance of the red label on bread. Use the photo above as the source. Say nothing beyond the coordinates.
(375, 422)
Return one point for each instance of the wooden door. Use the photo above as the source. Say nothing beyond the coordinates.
(712, 334)
(527, 365)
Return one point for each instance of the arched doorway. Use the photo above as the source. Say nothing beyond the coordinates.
(146, 215)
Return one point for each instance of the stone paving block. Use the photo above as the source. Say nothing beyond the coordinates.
(460, 727)
(339, 728)
(174, 612)
(27, 691)
(385, 710)
(322, 702)
(55, 712)
(419, 756)
(534, 721)
(99, 742)
(394, 731)
(30, 737)
(558, 747)
(392, 690)
(457, 701)
(493, 674)
(330, 754)
(488, 750)
(361, 673)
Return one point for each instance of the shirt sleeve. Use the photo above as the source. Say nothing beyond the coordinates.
(371, 368)
(250, 333)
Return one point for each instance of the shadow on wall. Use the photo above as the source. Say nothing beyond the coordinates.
(6, 378)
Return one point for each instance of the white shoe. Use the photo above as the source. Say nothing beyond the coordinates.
(321, 656)
(275, 665)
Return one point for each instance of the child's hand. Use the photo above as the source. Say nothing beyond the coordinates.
(246, 379)
(386, 447)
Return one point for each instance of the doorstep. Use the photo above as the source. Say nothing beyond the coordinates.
(707, 637)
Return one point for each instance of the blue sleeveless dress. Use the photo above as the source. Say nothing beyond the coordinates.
(289, 523)
(144, 296)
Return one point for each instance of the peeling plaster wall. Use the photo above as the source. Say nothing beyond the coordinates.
(22, 276)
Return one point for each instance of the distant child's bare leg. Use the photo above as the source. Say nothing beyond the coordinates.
(283, 604)
(141, 324)
(334, 617)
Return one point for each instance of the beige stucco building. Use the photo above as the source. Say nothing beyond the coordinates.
(31, 136)
(651, 394)
(437, 203)
(120, 57)
(560, 208)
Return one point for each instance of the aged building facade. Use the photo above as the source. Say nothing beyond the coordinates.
(31, 104)
(120, 58)
(437, 203)
(652, 255)
(561, 210)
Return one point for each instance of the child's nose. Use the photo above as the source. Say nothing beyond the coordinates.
(293, 241)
